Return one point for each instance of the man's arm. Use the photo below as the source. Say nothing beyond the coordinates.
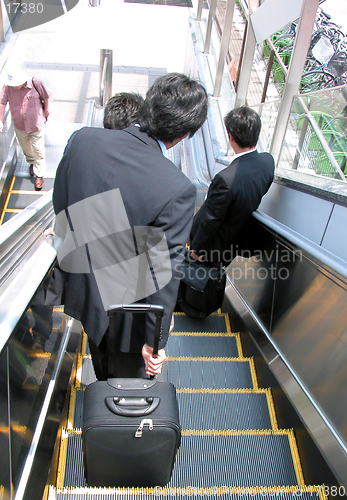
(3, 102)
(175, 220)
(2, 113)
(46, 102)
(213, 212)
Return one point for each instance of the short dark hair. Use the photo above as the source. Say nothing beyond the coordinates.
(121, 110)
(244, 125)
(175, 105)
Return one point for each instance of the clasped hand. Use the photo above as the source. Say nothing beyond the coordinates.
(153, 364)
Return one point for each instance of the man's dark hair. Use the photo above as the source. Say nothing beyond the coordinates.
(244, 125)
(175, 105)
(121, 110)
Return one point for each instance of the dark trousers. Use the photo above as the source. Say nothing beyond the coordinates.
(125, 365)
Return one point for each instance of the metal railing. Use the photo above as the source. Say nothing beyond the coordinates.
(106, 63)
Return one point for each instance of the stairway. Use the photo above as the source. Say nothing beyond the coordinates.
(231, 445)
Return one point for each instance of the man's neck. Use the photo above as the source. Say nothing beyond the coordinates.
(237, 149)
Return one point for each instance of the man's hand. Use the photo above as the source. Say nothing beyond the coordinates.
(153, 364)
(195, 256)
(1, 126)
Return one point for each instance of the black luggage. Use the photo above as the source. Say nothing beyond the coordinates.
(201, 289)
(131, 429)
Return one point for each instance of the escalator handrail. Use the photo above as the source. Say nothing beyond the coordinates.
(17, 296)
(327, 259)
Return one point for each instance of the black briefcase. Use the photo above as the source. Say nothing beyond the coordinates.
(131, 429)
(201, 290)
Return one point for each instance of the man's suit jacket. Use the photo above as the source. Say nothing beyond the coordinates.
(233, 195)
(154, 193)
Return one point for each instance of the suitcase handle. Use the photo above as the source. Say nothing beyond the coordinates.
(132, 407)
(142, 308)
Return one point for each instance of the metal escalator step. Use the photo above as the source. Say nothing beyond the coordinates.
(226, 409)
(85, 374)
(213, 323)
(279, 493)
(212, 458)
(196, 373)
(189, 344)
(23, 200)
(236, 458)
(75, 413)
(70, 467)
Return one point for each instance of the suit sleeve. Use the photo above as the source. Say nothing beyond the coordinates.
(60, 188)
(211, 214)
(175, 220)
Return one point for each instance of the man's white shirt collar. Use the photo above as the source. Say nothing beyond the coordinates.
(241, 154)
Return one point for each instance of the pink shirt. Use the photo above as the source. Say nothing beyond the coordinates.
(25, 105)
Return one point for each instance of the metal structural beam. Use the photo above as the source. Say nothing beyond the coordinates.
(2, 30)
(247, 59)
(211, 15)
(224, 46)
(295, 70)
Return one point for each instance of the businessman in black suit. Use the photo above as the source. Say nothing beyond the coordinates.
(234, 193)
(124, 212)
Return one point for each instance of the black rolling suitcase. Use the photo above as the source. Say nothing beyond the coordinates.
(131, 428)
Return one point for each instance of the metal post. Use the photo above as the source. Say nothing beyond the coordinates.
(267, 77)
(242, 51)
(224, 46)
(2, 30)
(106, 66)
(246, 67)
(296, 67)
(211, 16)
(199, 11)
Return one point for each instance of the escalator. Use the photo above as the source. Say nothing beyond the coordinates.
(231, 445)
(234, 441)
(20, 192)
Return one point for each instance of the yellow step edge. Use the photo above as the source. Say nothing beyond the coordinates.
(181, 333)
(84, 342)
(191, 490)
(207, 358)
(7, 200)
(296, 458)
(79, 362)
(217, 313)
(24, 191)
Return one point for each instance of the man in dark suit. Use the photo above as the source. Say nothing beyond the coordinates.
(234, 193)
(124, 212)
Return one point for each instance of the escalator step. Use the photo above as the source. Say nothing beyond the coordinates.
(21, 201)
(86, 374)
(304, 493)
(232, 373)
(213, 323)
(242, 459)
(202, 345)
(226, 410)
(73, 470)
(208, 459)
(75, 415)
